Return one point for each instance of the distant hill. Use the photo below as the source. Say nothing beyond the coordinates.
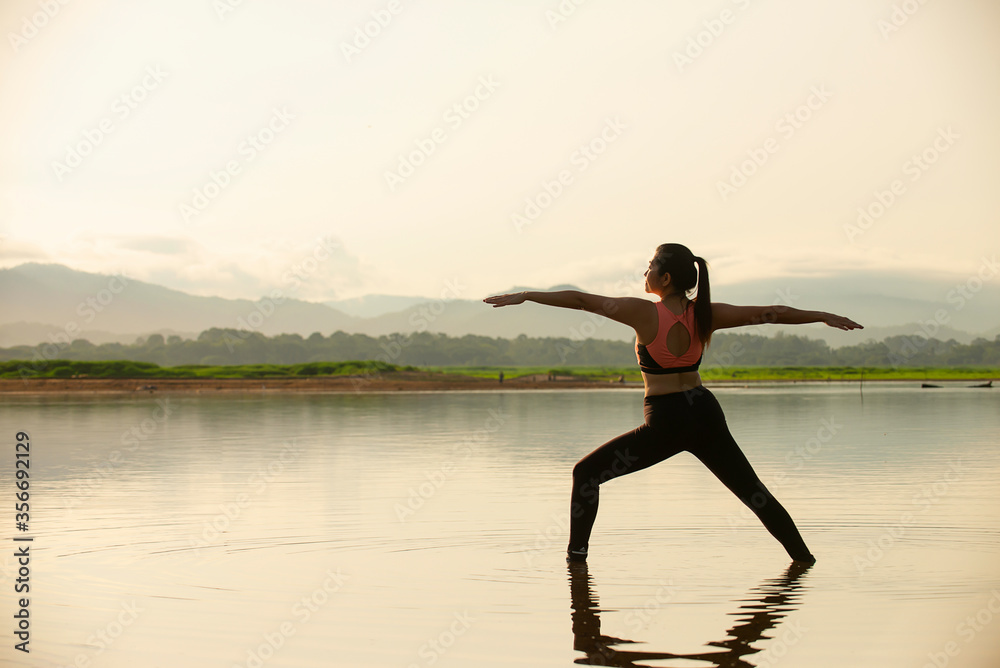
(38, 301)
(66, 300)
(371, 306)
(886, 304)
(881, 301)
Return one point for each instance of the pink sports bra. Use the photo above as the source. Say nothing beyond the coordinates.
(655, 358)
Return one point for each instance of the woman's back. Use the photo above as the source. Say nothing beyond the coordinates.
(669, 361)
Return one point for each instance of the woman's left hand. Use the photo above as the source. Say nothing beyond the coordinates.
(506, 300)
(840, 322)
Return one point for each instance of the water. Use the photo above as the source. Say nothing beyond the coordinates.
(420, 529)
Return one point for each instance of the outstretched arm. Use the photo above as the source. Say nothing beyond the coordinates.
(563, 298)
(727, 315)
(627, 310)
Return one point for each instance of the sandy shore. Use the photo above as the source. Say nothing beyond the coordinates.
(389, 382)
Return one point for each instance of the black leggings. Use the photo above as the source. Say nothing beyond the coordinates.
(692, 421)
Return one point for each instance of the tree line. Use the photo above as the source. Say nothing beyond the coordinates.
(218, 347)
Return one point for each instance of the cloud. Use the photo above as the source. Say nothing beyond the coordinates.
(311, 268)
(316, 269)
(16, 251)
(156, 244)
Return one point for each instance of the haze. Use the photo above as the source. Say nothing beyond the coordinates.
(222, 147)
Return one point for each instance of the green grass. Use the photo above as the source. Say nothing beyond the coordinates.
(849, 373)
(739, 373)
(128, 369)
(510, 372)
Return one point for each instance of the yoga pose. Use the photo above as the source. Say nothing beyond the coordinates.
(680, 413)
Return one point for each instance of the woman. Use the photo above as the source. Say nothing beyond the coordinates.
(680, 413)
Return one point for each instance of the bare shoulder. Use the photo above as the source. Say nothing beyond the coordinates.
(631, 311)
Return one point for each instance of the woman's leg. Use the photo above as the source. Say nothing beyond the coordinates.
(630, 452)
(718, 450)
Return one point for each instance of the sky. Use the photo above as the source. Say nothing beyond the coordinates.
(457, 149)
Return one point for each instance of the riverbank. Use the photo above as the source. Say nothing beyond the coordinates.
(398, 381)
(412, 381)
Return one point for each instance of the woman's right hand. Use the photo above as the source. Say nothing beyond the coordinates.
(840, 322)
(507, 300)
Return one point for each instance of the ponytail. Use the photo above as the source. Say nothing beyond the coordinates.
(703, 303)
(679, 262)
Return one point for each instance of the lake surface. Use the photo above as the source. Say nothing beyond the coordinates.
(419, 529)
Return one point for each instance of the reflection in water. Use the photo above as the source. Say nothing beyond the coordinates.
(183, 526)
(767, 606)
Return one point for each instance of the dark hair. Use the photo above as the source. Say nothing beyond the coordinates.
(678, 261)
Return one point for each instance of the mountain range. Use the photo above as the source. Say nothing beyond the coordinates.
(51, 302)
